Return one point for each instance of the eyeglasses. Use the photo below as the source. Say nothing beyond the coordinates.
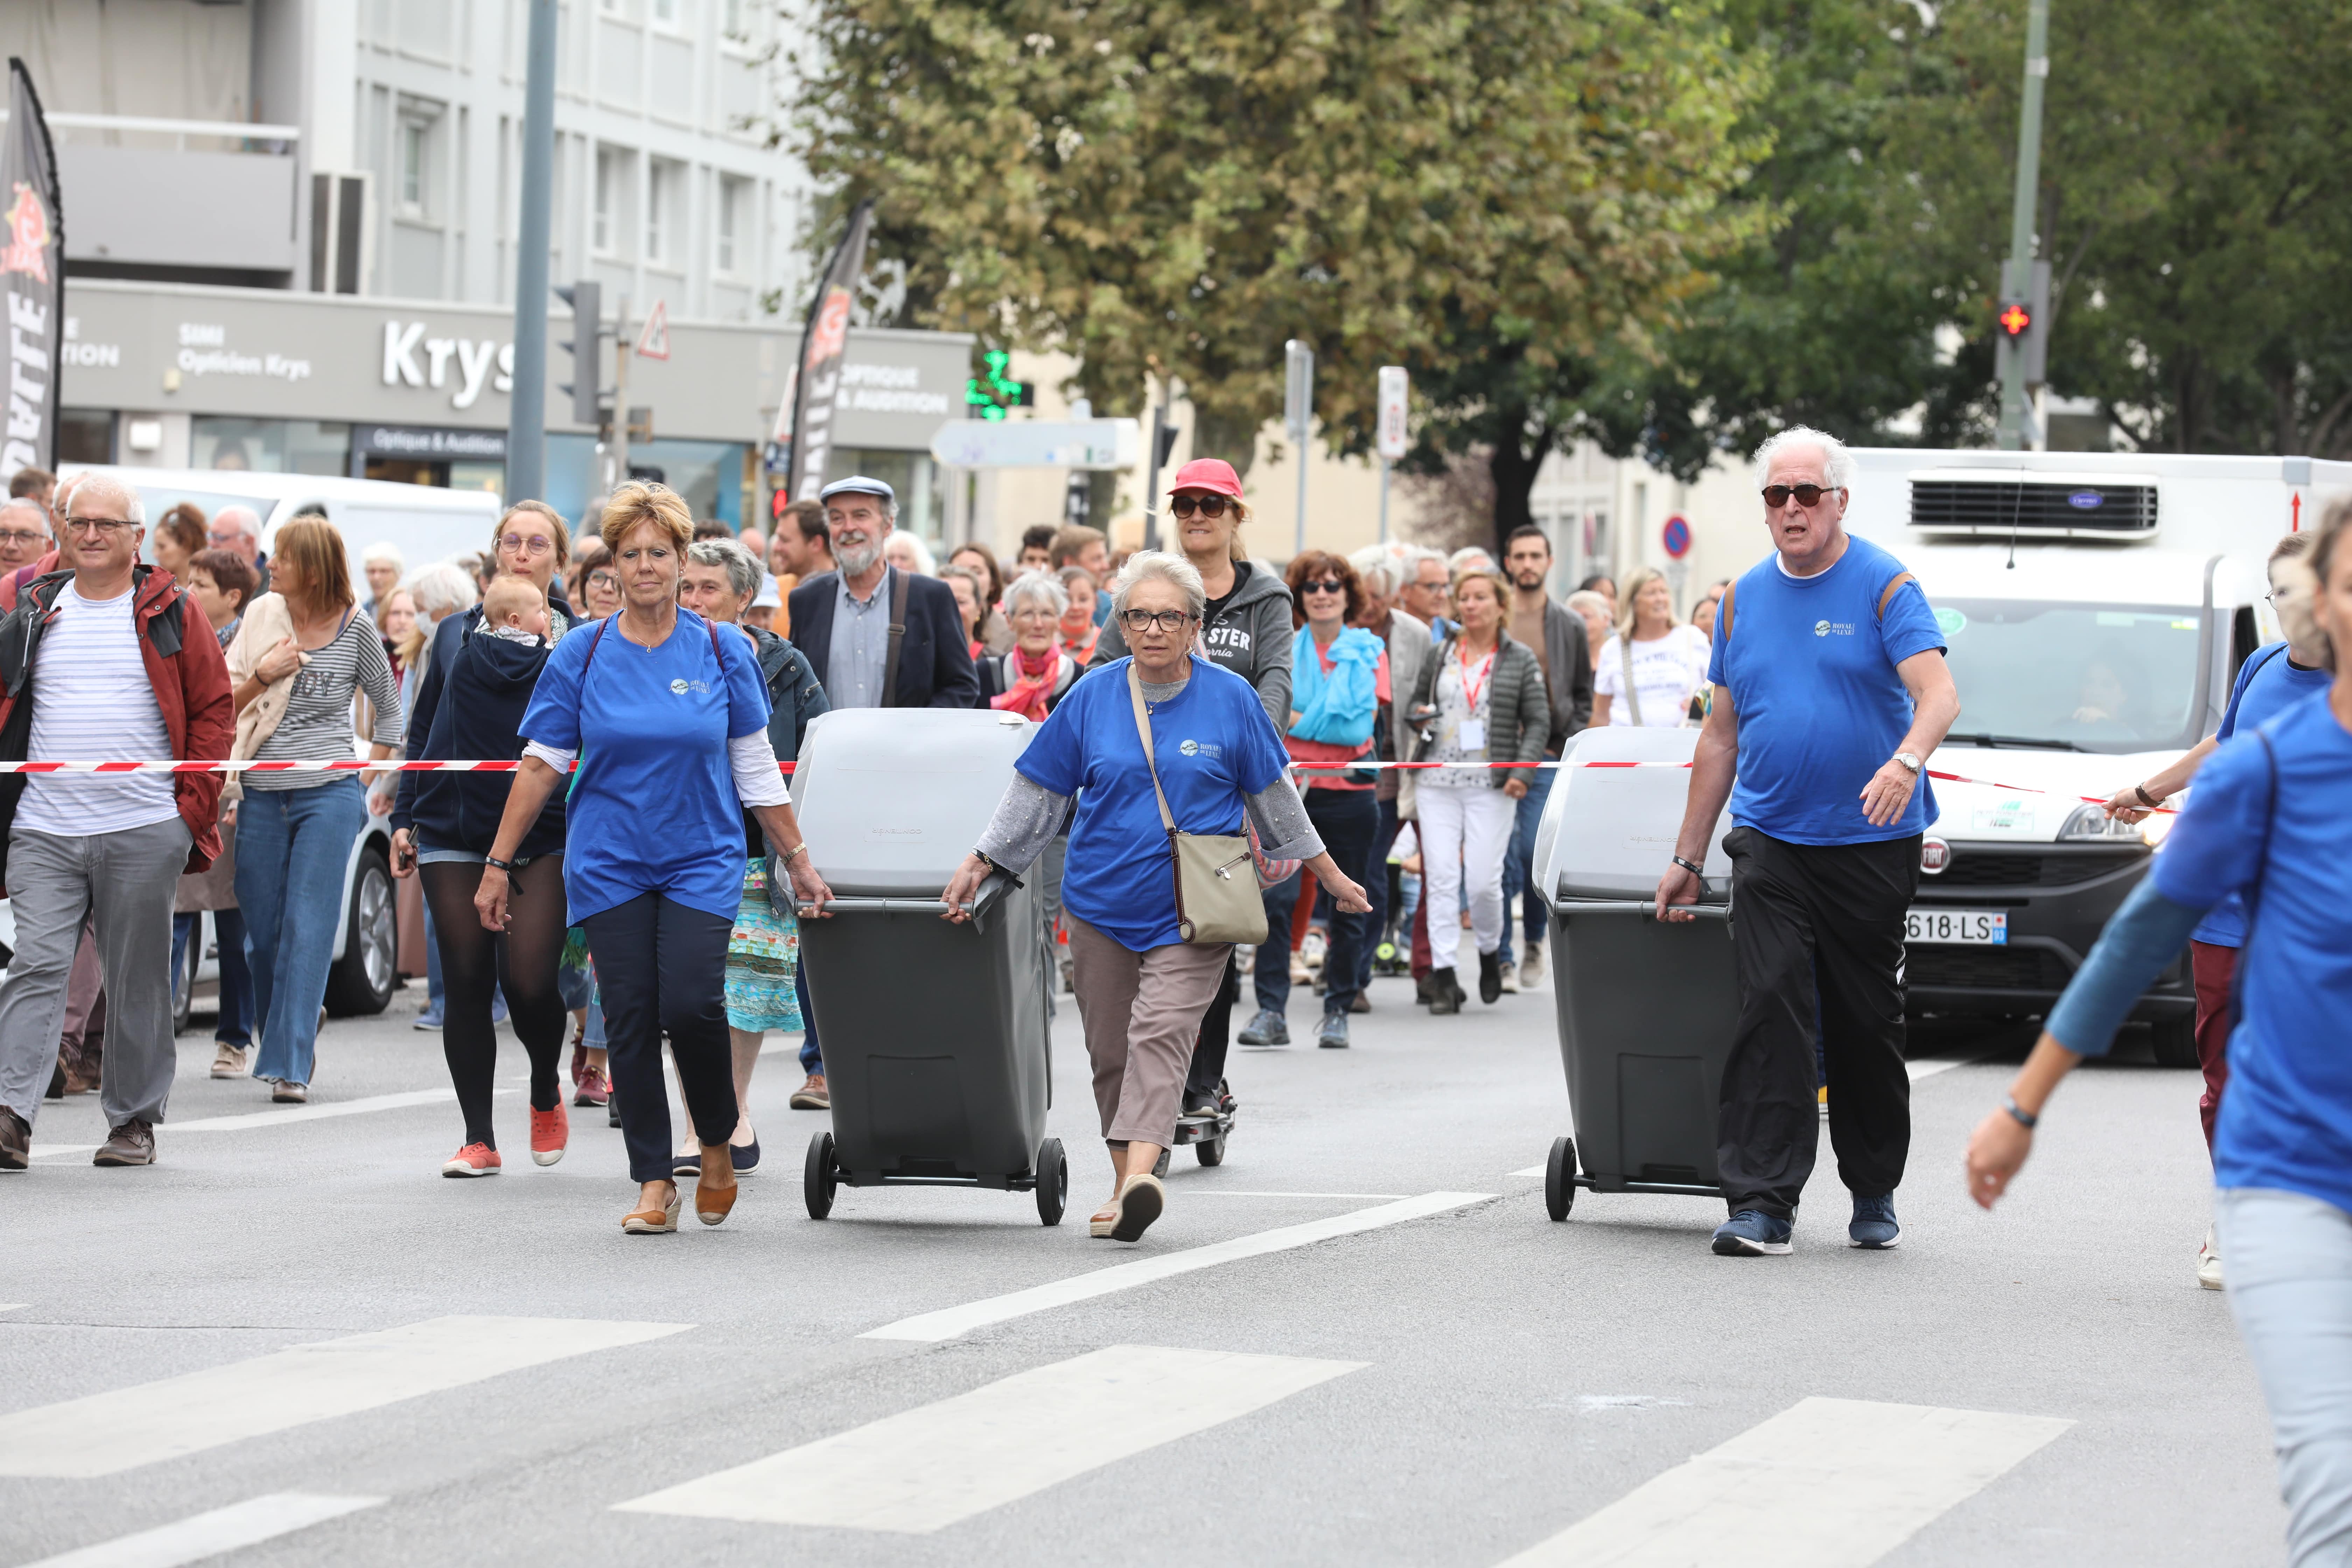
(21, 536)
(1207, 506)
(525, 544)
(1808, 496)
(99, 525)
(1165, 620)
(603, 579)
(1323, 585)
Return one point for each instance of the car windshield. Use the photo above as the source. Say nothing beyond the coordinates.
(2092, 678)
(160, 499)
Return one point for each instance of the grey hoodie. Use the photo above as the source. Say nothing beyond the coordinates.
(1251, 638)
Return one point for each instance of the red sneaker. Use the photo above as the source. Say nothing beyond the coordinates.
(473, 1160)
(550, 1131)
(596, 1089)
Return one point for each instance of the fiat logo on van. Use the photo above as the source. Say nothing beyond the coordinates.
(1935, 856)
(2087, 500)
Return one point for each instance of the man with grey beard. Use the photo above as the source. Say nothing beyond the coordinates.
(877, 636)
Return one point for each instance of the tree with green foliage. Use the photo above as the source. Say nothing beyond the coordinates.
(1171, 190)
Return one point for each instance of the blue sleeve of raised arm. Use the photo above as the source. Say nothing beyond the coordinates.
(2144, 936)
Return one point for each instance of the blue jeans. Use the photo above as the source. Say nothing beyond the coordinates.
(1375, 877)
(2289, 1261)
(1519, 861)
(1345, 820)
(291, 847)
(811, 1056)
(235, 1026)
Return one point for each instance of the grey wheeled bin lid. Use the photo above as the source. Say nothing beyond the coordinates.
(1647, 1012)
(934, 1035)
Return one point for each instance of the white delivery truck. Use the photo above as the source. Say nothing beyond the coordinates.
(2096, 607)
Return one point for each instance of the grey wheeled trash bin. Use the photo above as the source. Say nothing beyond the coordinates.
(1647, 1011)
(936, 1048)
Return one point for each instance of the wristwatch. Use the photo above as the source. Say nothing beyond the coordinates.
(1908, 760)
(982, 855)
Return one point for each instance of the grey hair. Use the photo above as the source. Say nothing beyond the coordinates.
(29, 504)
(1837, 463)
(1585, 602)
(441, 589)
(742, 570)
(383, 549)
(1145, 565)
(1411, 564)
(247, 520)
(1466, 556)
(1373, 563)
(115, 490)
(1036, 585)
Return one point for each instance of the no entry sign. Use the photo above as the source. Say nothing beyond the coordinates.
(1676, 536)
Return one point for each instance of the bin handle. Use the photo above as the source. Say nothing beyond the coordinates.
(1636, 906)
(999, 883)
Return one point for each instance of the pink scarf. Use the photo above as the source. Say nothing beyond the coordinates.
(1030, 684)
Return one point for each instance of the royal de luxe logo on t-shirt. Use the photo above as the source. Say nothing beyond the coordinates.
(1200, 748)
(1833, 628)
(679, 688)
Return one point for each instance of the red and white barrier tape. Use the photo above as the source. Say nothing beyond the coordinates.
(354, 765)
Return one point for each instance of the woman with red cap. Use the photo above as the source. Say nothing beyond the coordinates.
(1246, 629)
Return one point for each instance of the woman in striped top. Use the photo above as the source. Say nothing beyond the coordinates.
(295, 829)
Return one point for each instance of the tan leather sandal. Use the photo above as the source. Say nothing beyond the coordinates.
(1141, 1201)
(653, 1222)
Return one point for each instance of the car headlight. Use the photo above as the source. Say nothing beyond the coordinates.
(2153, 831)
(2092, 824)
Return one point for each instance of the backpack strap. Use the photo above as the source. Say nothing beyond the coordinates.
(1887, 597)
(899, 584)
(2253, 897)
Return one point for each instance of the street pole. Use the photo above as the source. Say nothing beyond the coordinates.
(1299, 410)
(622, 345)
(1151, 467)
(2017, 275)
(527, 411)
(1384, 501)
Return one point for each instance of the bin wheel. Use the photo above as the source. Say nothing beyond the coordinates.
(1053, 1181)
(1159, 1167)
(1211, 1151)
(2176, 1042)
(1560, 1178)
(817, 1179)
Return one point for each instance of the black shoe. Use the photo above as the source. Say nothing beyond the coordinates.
(1444, 996)
(56, 1089)
(1424, 988)
(15, 1141)
(1200, 1104)
(1490, 978)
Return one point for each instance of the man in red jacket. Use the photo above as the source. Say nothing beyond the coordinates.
(103, 660)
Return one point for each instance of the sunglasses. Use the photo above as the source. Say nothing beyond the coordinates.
(1207, 506)
(1323, 585)
(1808, 496)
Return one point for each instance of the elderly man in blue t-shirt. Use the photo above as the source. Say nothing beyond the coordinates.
(1830, 691)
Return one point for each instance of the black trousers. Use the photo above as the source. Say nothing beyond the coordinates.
(1817, 932)
(661, 968)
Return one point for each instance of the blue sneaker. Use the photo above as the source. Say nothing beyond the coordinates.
(1268, 1028)
(1874, 1223)
(1752, 1233)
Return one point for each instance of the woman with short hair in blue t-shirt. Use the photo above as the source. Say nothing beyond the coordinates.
(2274, 679)
(668, 722)
(1142, 987)
(2271, 823)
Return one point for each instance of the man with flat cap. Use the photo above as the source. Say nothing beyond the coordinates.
(876, 636)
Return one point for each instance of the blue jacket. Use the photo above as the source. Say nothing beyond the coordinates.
(935, 667)
(470, 705)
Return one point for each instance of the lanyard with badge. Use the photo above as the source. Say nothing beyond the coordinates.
(1471, 736)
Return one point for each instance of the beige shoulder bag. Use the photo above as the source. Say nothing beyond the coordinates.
(1217, 887)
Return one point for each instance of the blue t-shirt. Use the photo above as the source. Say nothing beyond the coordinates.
(2287, 1120)
(655, 809)
(1811, 664)
(1213, 745)
(2268, 685)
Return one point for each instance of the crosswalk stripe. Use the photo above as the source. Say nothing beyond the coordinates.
(929, 1468)
(246, 1121)
(193, 1540)
(951, 1322)
(1827, 1483)
(105, 1434)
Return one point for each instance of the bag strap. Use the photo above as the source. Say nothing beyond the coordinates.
(898, 588)
(2253, 897)
(1143, 732)
(1887, 597)
(1626, 667)
(1723, 611)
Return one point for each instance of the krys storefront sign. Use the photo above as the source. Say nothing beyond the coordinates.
(461, 364)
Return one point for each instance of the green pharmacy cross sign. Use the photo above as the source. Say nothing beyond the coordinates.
(992, 391)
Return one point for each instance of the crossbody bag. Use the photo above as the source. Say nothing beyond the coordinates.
(1212, 904)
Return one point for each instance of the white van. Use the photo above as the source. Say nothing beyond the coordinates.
(2096, 607)
(423, 522)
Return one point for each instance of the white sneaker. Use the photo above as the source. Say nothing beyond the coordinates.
(1531, 967)
(1510, 976)
(228, 1061)
(2208, 1262)
(1311, 951)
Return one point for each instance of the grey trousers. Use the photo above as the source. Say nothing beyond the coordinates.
(127, 882)
(1142, 1014)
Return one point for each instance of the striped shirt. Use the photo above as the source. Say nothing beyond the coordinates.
(92, 702)
(317, 726)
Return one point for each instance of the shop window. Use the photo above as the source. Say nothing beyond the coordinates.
(727, 252)
(608, 197)
(270, 446)
(85, 435)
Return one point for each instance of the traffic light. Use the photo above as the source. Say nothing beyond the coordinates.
(991, 392)
(586, 349)
(2024, 326)
(2016, 320)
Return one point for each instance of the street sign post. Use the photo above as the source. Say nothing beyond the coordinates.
(654, 342)
(1389, 430)
(1038, 444)
(1298, 415)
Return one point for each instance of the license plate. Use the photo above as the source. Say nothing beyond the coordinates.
(1981, 928)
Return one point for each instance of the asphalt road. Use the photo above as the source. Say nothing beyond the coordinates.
(506, 1378)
